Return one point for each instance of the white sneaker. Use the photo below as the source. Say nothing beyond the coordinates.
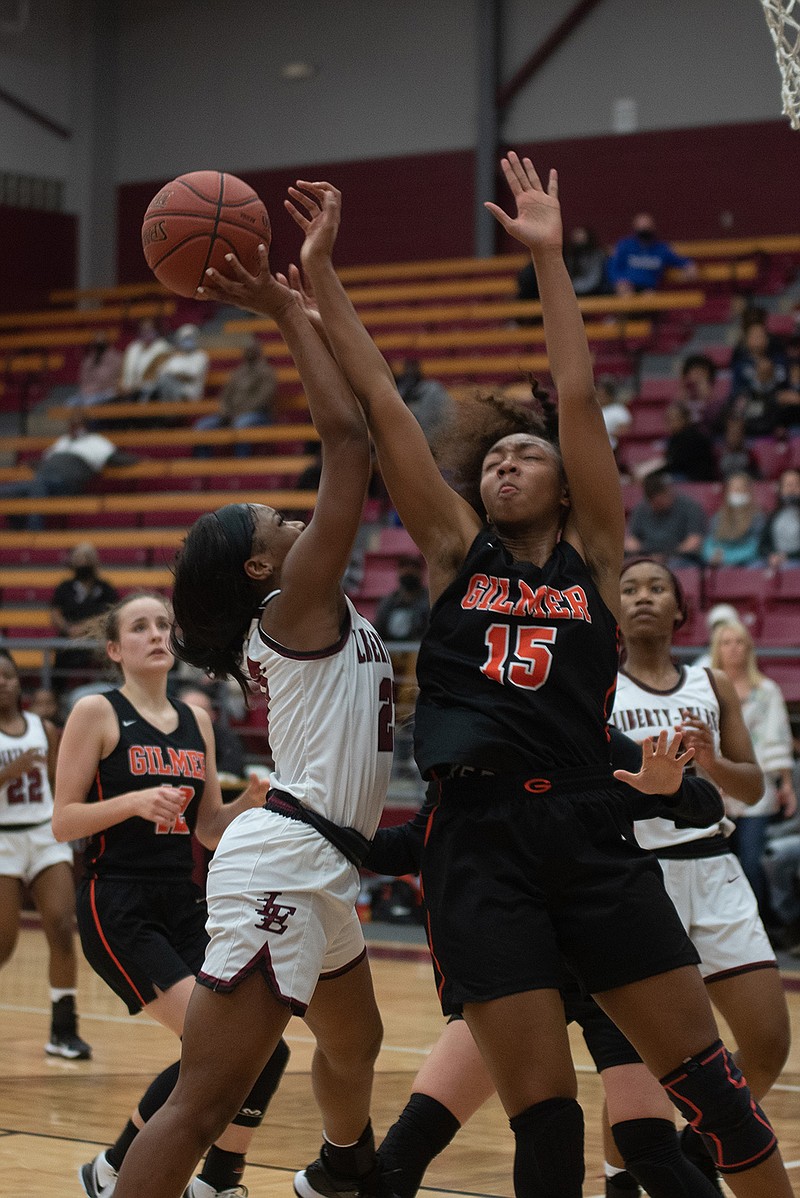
(201, 1189)
(98, 1178)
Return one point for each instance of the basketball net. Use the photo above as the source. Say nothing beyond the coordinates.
(783, 18)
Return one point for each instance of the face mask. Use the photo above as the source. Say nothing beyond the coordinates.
(790, 501)
(738, 499)
(646, 234)
(409, 582)
(84, 573)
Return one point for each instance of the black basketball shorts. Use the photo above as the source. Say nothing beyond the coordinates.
(141, 935)
(515, 881)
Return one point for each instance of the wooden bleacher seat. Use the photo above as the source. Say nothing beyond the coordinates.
(13, 619)
(31, 364)
(44, 577)
(81, 316)
(476, 313)
(173, 438)
(52, 338)
(28, 659)
(119, 292)
(169, 502)
(193, 468)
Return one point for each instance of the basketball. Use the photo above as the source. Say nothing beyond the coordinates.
(194, 221)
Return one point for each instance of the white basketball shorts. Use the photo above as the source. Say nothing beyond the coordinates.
(719, 911)
(24, 854)
(281, 900)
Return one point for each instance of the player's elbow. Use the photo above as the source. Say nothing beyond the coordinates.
(60, 827)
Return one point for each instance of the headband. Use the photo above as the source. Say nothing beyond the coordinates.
(237, 524)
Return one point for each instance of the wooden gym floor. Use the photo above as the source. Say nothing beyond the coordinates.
(56, 1114)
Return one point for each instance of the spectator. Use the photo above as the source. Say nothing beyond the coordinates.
(639, 260)
(754, 343)
(665, 524)
(787, 411)
(689, 454)
(735, 455)
(403, 615)
(696, 389)
(767, 720)
(247, 399)
(44, 703)
(757, 401)
(615, 413)
(228, 745)
(427, 400)
(780, 541)
(585, 259)
(183, 375)
(99, 377)
(66, 468)
(720, 613)
(781, 865)
(75, 602)
(142, 361)
(735, 533)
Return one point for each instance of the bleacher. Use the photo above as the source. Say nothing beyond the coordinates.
(460, 317)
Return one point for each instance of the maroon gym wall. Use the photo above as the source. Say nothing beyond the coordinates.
(418, 207)
(38, 254)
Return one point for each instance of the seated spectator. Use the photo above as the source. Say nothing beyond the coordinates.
(735, 455)
(228, 745)
(781, 865)
(66, 468)
(75, 602)
(403, 615)
(99, 377)
(44, 703)
(787, 410)
(183, 374)
(142, 361)
(428, 400)
(615, 413)
(734, 535)
(665, 524)
(689, 454)
(720, 613)
(755, 344)
(638, 261)
(780, 541)
(696, 390)
(585, 259)
(246, 400)
(757, 401)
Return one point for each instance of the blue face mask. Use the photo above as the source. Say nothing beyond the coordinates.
(187, 344)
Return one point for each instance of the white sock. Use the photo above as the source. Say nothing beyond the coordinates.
(612, 1170)
(55, 994)
(328, 1140)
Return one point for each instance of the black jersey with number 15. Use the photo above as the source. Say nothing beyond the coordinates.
(518, 666)
(146, 757)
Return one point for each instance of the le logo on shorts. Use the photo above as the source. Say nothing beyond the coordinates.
(274, 915)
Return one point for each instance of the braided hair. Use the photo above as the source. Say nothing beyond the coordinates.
(214, 601)
(479, 422)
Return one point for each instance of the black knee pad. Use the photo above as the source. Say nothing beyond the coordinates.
(652, 1154)
(255, 1105)
(713, 1096)
(159, 1091)
(548, 1162)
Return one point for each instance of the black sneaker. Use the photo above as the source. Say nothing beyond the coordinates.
(68, 1045)
(87, 1175)
(317, 1181)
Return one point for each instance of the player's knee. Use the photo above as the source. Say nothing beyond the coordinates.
(254, 1107)
(711, 1093)
(548, 1158)
(771, 1047)
(58, 928)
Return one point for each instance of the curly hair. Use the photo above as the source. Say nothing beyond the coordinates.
(478, 423)
(214, 602)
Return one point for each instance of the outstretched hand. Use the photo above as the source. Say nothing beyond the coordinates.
(304, 294)
(262, 293)
(661, 771)
(537, 223)
(317, 209)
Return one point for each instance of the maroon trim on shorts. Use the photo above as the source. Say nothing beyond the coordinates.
(337, 973)
(262, 964)
(724, 974)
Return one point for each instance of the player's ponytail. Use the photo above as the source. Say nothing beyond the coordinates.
(213, 600)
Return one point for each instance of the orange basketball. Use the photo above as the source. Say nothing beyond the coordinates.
(195, 221)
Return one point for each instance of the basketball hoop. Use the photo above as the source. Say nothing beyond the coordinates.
(783, 18)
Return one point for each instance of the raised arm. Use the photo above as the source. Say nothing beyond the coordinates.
(440, 521)
(312, 570)
(596, 525)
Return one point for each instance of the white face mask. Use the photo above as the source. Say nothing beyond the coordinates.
(738, 499)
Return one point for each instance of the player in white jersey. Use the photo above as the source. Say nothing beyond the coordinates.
(256, 595)
(31, 856)
(701, 873)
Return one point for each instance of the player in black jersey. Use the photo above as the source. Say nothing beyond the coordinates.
(453, 1083)
(136, 777)
(527, 856)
